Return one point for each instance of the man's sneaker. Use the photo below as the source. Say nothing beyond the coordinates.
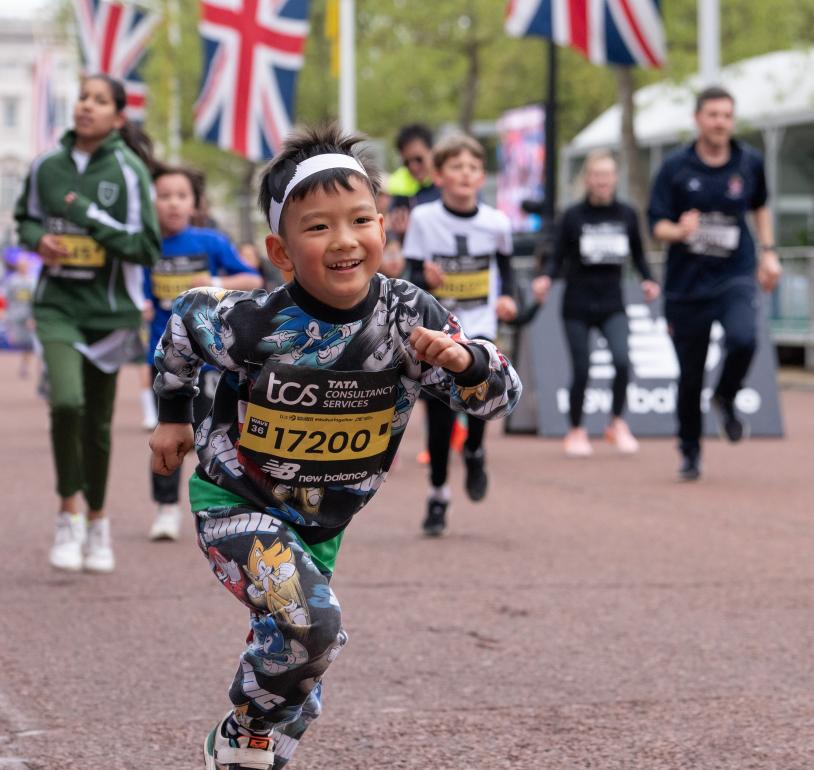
(690, 469)
(229, 748)
(66, 552)
(436, 521)
(167, 523)
(730, 426)
(476, 479)
(98, 551)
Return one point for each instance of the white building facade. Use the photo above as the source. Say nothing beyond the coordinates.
(25, 44)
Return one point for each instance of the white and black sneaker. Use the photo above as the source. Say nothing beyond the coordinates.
(436, 521)
(230, 747)
(730, 426)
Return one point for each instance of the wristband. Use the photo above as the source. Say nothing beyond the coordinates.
(768, 247)
(216, 282)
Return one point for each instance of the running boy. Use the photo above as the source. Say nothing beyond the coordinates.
(461, 250)
(190, 257)
(318, 381)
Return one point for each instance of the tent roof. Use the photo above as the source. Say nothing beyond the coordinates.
(775, 89)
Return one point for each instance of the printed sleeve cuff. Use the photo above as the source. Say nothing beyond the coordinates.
(478, 370)
(175, 409)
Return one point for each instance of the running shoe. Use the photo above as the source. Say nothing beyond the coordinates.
(618, 434)
(458, 436)
(229, 748)
(167, 522)
(690, 469)
(476, 479)
(730, 426)
(69, 537)
(98, 549)
(436, 521)
(576, 443)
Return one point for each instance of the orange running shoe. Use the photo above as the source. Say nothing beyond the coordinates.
(459, 433)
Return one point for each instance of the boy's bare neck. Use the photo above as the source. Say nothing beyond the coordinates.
(464, 205)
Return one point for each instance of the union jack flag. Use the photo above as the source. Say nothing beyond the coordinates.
(113, 37)
(253, 51)
(624, 32)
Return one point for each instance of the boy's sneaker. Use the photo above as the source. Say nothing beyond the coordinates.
(730, 425)
(690, 469)
(476, 479)
(227, 748)
(436, 521)
(167, 522)
(98, 550)
(66, 552)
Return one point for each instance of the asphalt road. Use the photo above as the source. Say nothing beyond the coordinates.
(589, 614)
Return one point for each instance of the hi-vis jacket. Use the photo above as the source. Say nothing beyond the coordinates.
(110, 230)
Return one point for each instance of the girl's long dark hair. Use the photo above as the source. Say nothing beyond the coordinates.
(134, 137)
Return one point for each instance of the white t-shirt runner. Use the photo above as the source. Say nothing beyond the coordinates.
(466, 249)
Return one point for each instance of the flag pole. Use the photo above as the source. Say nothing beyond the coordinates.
(347, 65)
(709, 41)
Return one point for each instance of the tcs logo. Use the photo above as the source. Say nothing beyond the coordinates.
(290, 393)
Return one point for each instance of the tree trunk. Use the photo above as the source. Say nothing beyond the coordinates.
(631, 168)
(469, 92)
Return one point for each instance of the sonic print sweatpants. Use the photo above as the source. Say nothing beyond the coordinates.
(296, 622)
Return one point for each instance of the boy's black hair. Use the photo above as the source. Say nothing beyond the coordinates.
(306, 143)
(197, 179)
(710, 93)
(411, 132)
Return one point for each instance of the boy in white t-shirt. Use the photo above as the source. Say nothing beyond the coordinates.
(460, 250)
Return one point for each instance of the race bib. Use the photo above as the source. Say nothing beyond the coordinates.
(171, 277)
(718, 235)
(312, 427)
(466, 279)
(604, 244)
(83, 252)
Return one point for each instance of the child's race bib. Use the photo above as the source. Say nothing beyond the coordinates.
(314, 427)
(466, 279)
(171, 277)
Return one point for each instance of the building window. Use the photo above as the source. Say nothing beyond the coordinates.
(8, 111)
(10, 188)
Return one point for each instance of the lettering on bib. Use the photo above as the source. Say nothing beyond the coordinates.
(312, 427)
(718, 235)
(606, 243)
(171, 277)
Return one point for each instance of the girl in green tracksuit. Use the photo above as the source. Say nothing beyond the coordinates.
(87, 210)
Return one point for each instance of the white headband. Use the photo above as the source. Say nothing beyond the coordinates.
(309, 167)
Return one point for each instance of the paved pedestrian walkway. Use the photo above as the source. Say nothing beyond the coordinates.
(588, 614)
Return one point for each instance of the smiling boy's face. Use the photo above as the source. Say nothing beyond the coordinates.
(333, 242)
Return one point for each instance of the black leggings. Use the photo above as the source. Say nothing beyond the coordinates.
(614, 330)
(440, 420)
(166, 488)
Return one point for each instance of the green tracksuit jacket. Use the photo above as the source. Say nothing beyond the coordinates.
(110, 230)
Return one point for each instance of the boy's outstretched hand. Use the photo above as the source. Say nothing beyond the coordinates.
(170, 443)
(439, 349)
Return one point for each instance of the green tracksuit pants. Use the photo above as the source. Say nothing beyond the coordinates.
(81, 404)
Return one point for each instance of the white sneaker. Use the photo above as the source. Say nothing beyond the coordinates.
(71, 531)
(167, 523)
(98, 551)
(150, 419)
(252, 752)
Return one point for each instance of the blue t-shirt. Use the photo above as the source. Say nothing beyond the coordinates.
(722, 252)
(194, 252)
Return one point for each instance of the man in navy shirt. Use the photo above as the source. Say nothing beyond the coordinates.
(698, 205)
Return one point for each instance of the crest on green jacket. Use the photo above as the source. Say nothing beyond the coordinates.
(108, 193)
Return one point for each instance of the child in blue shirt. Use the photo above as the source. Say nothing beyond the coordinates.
(190, 257)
